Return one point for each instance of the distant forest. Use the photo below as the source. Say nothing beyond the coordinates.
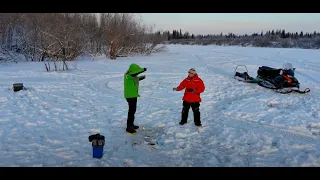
(279, 38)
(52, 37)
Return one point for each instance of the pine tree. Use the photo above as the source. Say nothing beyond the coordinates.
(169, 36)
(174, 35)
(186, 35)
(283, 34)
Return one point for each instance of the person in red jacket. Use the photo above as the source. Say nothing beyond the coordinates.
(193, 86)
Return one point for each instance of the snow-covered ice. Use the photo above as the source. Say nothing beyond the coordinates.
(244, 124)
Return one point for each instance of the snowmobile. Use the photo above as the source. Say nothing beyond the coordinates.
(281, 80)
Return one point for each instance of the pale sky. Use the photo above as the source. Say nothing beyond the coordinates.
(237, 23)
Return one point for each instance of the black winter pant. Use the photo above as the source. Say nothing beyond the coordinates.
(132, 102)
(196, 112)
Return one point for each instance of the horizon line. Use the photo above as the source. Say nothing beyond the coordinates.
(238, 34)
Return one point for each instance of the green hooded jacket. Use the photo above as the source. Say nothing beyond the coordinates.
(131, 81)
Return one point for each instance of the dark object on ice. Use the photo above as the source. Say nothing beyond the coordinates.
(273, 78)
(97, 145)
(18, 87)
(244, 76)
(95, 136)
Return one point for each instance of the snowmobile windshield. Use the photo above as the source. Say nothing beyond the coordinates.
(287, 66)
(289, 72)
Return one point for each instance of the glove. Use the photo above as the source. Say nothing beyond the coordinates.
(142, 77)
(175, 89)
(191, 90)
(145, 69)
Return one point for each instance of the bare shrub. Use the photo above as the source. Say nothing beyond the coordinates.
(286, 43)
(316, 42)
(124, 34)
(261, 41)
(53, 37)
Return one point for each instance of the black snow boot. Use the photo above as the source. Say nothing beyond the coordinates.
(130, 130)
(135, 127)
(198, 124)
(182, 122)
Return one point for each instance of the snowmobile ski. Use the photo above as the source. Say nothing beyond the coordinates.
(284, 90)
(301, 92)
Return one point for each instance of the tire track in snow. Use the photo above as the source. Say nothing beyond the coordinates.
(149, 97)
(307, 77)
(273, 131)
(293, 133)
(214, 70)
(269, 129)
(245, 56)
(73, 81)
(221, 104)
(160, 103)
(33, 103)
(224, 153)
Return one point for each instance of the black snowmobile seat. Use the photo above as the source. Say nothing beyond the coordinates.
(268, 72)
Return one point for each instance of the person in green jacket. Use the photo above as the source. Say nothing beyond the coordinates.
(131, 93)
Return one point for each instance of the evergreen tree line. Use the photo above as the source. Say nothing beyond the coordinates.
(271, 38)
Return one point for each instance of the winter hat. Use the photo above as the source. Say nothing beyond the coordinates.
(192, 71)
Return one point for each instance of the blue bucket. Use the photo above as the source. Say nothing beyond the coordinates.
(97, 145)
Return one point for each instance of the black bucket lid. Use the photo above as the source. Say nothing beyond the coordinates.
(96, 136)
